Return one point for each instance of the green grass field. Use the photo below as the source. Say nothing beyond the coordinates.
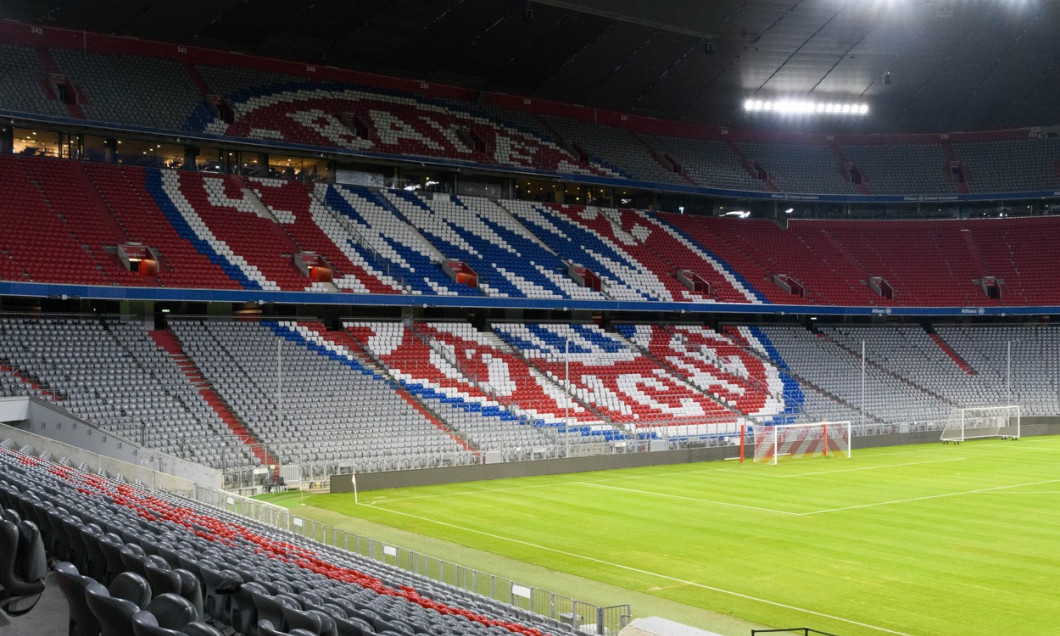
(936, 539)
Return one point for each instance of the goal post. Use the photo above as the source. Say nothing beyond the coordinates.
(820, 439)
(983, 421)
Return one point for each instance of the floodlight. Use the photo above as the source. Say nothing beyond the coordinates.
(803, 107)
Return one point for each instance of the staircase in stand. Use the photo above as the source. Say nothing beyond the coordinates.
(74, 110)
(948, 350)
(168, 342)
(953, 160)
(433, 419)
(846, 166)
(751, 168)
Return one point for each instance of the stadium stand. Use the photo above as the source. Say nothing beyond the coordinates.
(25, 86)
(246, 572)
(248, 102)
(833, 368)
(901, 168)
(710, 162)
(224, 232)
(615, 147)
(1010, 165)
(308, 398)
(376, 230)
(990, 352)
(800, 167)
(435, 384)
(607, 371)
(113, 375)
(508, 260)
(567, 231)
(480, 387)
(130, 89)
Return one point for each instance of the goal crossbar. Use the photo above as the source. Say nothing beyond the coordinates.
(802, 440)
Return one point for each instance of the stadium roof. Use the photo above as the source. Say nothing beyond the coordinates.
(921, 65)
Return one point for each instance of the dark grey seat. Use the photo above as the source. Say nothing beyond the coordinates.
(172, 610)
(131, 587)
(72, 584)
(244, 612)
(23, 566)
(110, 544)
(95, 561)
(218, 587)
(311, 620)
(113, 613)
(132, 557)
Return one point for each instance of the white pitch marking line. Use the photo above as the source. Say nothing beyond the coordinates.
(646, 572)
(929, 497)
(684, 498)
(850, 470)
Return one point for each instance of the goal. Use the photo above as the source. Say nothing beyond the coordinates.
(802, 440)
(983, 421)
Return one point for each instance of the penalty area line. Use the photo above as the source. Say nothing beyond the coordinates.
(851, 470)
(657, 575)
(980, 491)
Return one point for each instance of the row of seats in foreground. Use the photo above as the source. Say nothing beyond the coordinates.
(253, 579)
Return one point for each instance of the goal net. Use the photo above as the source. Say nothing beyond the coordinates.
(802, 440)
(982, 421)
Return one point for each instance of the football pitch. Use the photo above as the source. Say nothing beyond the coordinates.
(934, 539)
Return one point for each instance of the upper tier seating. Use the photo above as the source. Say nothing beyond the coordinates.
(167, 94)
(794, 167)
(113, 375)
(237, 82)
(608, 373)
(1011, 165)
(130, 89)
(615, 147)
(341, 116)
(244, 567)
(708, 162)
(24, 85)
(901, 168)
(309, 398)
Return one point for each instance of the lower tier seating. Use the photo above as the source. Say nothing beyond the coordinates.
(375, 395)
(246, 572)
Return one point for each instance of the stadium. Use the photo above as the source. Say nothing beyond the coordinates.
(533, 317)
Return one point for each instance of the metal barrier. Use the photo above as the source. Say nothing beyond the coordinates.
(585, 617)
